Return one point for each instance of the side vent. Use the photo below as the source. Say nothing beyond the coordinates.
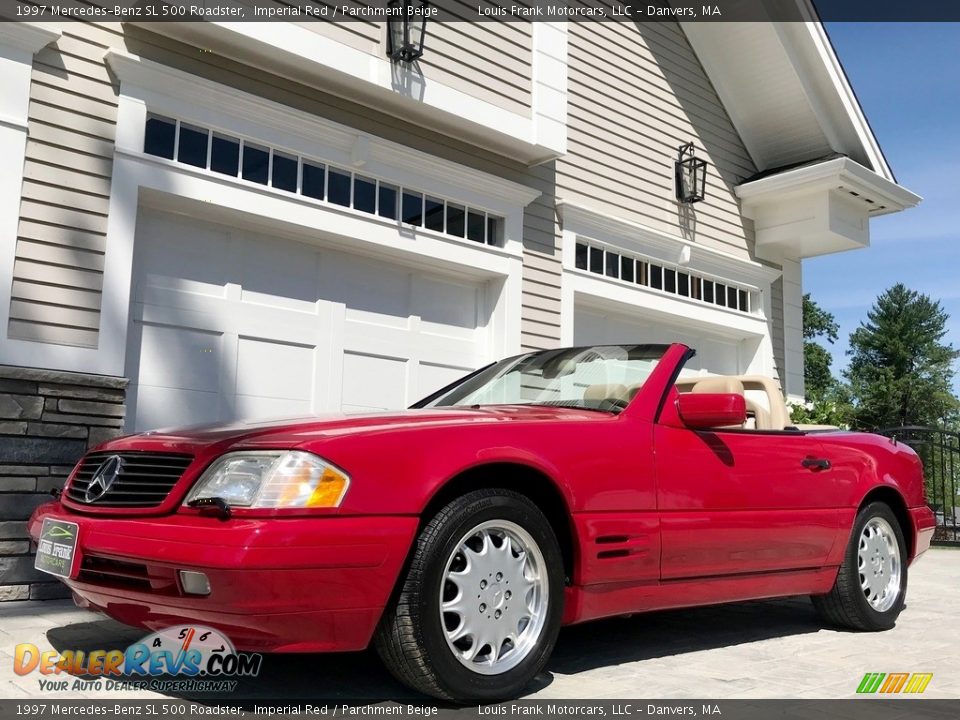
(637, 545)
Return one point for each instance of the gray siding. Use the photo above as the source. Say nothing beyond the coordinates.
(637, 92)
(486, 60)
(58, 272)
(361, 34)
(459, 53)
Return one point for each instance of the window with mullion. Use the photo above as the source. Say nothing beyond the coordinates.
(214, 151)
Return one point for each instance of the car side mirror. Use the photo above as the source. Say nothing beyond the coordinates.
(711, 410)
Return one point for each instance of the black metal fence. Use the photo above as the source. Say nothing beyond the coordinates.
(940, 452)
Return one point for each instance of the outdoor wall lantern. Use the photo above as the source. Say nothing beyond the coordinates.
(406, 29)
(691, 175)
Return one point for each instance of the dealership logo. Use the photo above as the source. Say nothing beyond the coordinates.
(889, 683)
(104, 478)
(197, 658)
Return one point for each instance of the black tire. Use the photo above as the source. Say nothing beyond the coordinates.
(846, 604)
(410, 638)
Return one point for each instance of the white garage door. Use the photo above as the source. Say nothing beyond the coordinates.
(715, 354)
(231, 324)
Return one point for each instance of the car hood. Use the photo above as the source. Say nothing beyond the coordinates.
(291, 432)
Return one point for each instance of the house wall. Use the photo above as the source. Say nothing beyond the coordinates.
(624, 128)
(636, 93)
(58, 274)
(460, 53)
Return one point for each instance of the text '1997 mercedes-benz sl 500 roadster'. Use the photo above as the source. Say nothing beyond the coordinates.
(458, 536)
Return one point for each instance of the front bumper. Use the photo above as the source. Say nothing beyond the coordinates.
(279, 584)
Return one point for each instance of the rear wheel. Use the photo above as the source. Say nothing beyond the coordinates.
(871, 586)
(479, 610)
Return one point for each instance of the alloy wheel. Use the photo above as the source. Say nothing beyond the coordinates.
(494, 596)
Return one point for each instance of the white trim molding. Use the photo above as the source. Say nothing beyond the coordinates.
(792, 376)
(314, 59)
(185, 96)
(142, 180)
(18, 43)
(582, 223)
(827, 87)
(785, 90)
(671, 249)
(819, 208)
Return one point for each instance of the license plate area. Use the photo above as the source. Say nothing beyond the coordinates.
(57, 548)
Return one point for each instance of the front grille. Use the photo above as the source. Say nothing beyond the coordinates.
(143, 479)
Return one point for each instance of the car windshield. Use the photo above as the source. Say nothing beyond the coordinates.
(599, 377)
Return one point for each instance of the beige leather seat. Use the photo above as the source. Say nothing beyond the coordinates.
(734, 386)
(596, 394)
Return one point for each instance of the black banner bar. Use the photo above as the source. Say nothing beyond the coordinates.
(482, 10)
(867, 708)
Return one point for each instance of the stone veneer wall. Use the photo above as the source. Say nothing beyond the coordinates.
(48, 419)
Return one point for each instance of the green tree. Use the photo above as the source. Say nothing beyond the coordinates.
(817, 324)
(827, 399)
(901, 369)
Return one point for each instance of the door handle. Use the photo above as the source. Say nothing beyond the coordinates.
(816, 464)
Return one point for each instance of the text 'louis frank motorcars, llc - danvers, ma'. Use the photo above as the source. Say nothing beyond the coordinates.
(458, 536)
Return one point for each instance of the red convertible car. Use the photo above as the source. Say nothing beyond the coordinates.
(458, 536)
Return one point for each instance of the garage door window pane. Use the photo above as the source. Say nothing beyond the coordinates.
(225, 155)
(720, 294)
(339, 190)
(683, 284)
(582, 252)
(494, 225)
(365, 194)
(744, 301)
(475, 226)
(456, 220)
(256, 163)
(656, 277)
(412, 209)
(695, 285)
(626, 269)
(159, 136)
(708, 291)
(669, 280)
(193, 146)
(596, 260)
(312, 184)
(387, 201)
(613, 265)
(434, 214)
(732, 298)
(284, 172)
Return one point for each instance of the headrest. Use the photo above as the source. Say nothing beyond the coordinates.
(719, 385)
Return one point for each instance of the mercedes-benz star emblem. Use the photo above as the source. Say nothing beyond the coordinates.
(103, 478)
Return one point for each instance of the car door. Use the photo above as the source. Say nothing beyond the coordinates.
(742, 501)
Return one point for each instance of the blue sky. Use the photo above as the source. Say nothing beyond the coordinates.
(907, 77)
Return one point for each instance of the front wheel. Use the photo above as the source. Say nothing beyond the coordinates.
(479, 610)
(871, 587)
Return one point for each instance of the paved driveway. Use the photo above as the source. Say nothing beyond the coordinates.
(748, 650)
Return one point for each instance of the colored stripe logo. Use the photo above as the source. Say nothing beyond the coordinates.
(889, 683)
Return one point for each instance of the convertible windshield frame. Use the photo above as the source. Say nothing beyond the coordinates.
(589, 377)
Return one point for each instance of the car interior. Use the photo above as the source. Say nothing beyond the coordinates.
(766, 409)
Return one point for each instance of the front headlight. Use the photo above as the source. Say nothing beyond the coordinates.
(272, 479)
